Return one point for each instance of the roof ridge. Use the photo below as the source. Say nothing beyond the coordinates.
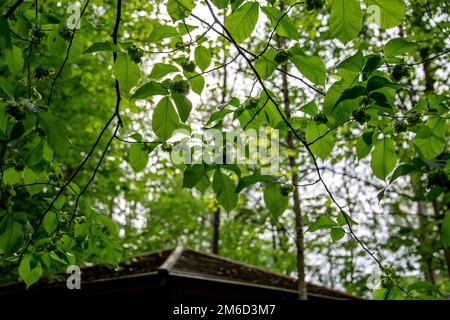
(172, 259)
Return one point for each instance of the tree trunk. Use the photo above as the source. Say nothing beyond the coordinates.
(216, 231)
(216, 215)
(439, 227)
(299, 234)
(426, 259)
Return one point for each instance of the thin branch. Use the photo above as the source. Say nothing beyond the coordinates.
(12, 9)
(328, 132)
(429, 59)
(214, 69)
(88, 156)
(275, 29)
(288, 124)
(66, 58)
(185, 45)
(242, 49)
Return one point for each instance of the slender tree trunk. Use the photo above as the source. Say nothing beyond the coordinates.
(216, 231)
(429, 81)
(216, 213)
(439, 227)
(426, 259)
(302, 290)
(274, 245)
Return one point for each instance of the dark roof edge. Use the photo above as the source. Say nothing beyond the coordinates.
(341, 293)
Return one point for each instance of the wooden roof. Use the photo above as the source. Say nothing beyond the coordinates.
(187, 263)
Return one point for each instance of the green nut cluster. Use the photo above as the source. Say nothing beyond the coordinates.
(55, 176)
(181, 87)
(439, 179)
(287, 189)
(188, 66)
(135, 53)
(41, 73)
(16, 110)
(401, 126)
(314, 4)
(361, 116)
(36, 36)
(387, 280)
(180, 45)
(282, 56)
(6, 193)
(66, 33)
(414, 118)
(166, 147)
(251, 103)
(399, 72)
(19, 165)
(321, 118)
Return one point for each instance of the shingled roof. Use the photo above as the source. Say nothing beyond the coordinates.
(185, 263)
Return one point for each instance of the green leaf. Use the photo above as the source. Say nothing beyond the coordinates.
(161, 32)
(285, 27)
(424, 286)
(391, 12)
(56, 45)
(266, 65)
(151, 88)
(276, 202)
(312, 67)
(197, 83)
(242, 22)
(192, 175)
(248, 181)
(430, 139)
(384, 158)
(30, 177)
(202, 57)
(102, 46)
(351, 68)
(218, 115)
(445, 231)
(402, 170)
(127, 72)
(346, 19)
(30, 270)
(221, 4)
(165, 119)
(160, 70)
(342, 111)
(344, 219)
(7, 87)
(180, 9)
(362, 148)
(5, 32)
(183, 104)
(323, 222)
(350, 94)
(398, 46)
(322, 147)
(138, 157)
(337, 234)
(224, 188)
(11, 176)
(14, 59)
(11, 235)
(55, 131)
(310, 108)
(377, 82)
(50, 222)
